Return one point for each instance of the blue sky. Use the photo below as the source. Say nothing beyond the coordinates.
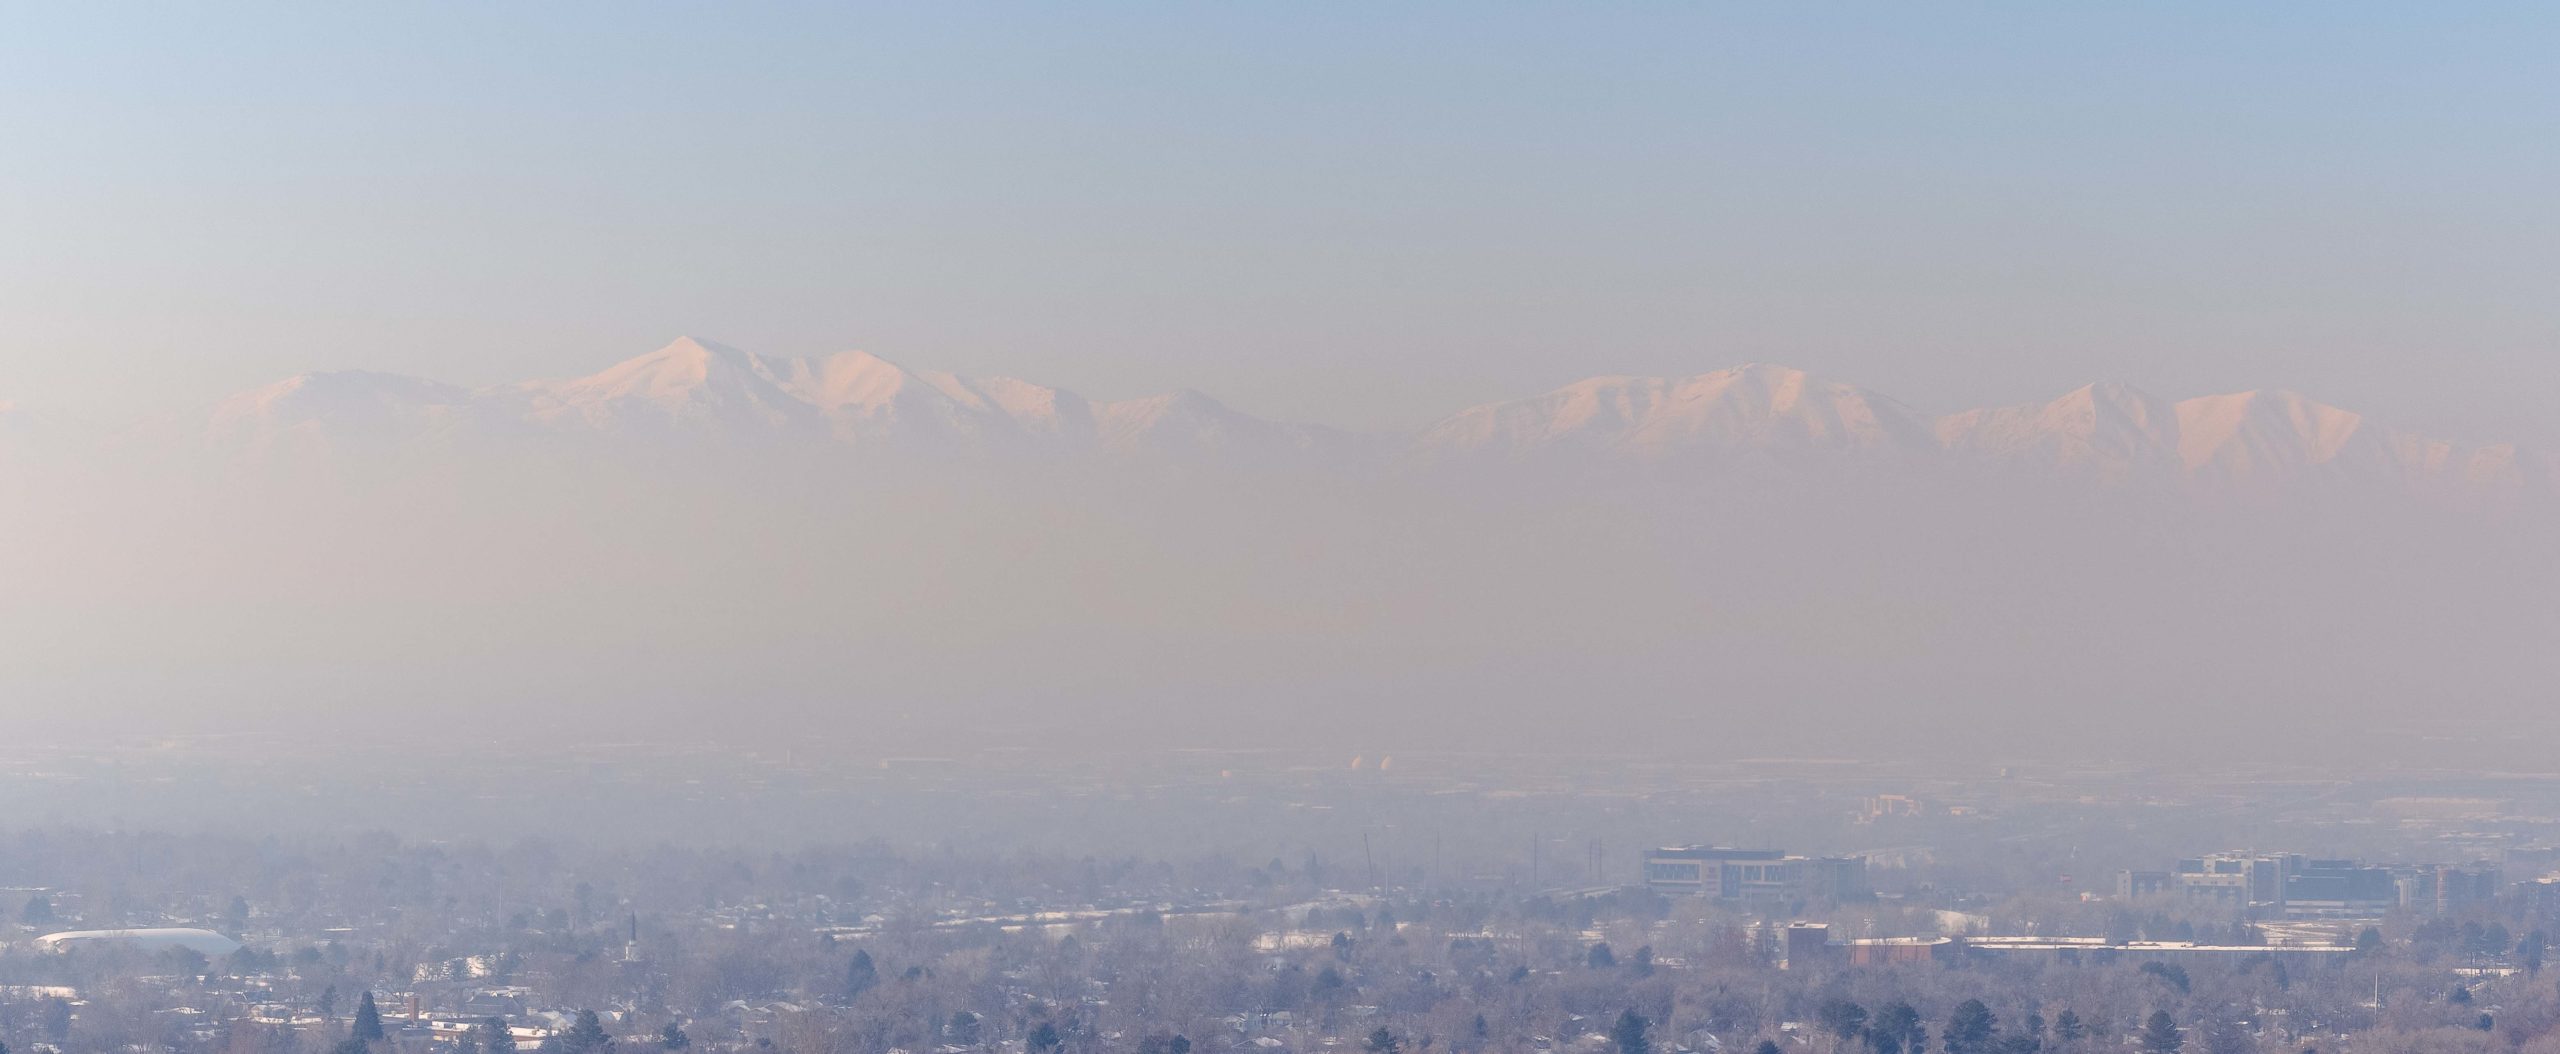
(1364, 214)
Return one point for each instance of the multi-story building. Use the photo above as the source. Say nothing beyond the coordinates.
(2216, 888)
(2447, 889)
(1807, 942)
(2339, 888)
(2227, 880)
(1754, 874)
(1880, 806)
(2541, 898)
(2300, 887)
(2262, 875)
(1698, 870)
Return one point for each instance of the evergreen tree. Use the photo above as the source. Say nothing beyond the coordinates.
(1896, 1029)
(586, 1036)
(1970, 1029)
(1601, 958)
(673, 1038)
(1382, 1041)
(368, 1020)
(1629, 1032)
(494, 1037)
(2160, 1034)
(1044, 1037)
(1767, 1046)
(2173, 975)
(2485, 940)
(1841, 1018)
(1329, 982)
(860, 975)
(2066, 1027)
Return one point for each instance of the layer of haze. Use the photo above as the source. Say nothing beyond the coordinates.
(1362, 215)
(765, 596)
(1349, 213)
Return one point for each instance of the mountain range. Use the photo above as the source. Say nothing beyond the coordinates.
(696, 392)
(701, 542)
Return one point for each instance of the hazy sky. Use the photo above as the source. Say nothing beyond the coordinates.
(1362, 214)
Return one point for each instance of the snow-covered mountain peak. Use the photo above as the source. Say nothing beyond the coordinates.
(2108, 427)
(338, 394)
(1753, 407)
(687, 386)
(2255, 432)
(856, 380)
(344, 406)
(1755, 415)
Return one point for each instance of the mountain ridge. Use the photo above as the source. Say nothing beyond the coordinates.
(1756, 413)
